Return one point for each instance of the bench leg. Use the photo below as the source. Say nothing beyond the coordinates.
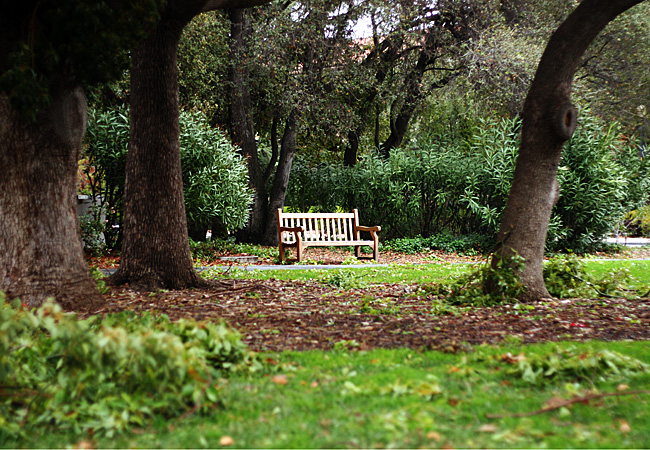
(375, 247)
(299, 249)
(357, 251)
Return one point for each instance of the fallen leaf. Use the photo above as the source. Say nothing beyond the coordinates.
(280, 379)
(84, 445)
(512, 359)
(434, 436)
(554, 403)
(624, 427)
(487, 428)
(623, 387)
(314, 384)
(226, 441)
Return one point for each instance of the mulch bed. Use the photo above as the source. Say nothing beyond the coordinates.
(279, 315)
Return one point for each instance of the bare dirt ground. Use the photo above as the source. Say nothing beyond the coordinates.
(279, 315)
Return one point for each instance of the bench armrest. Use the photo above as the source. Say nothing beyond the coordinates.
(292, 229)
(375, 229)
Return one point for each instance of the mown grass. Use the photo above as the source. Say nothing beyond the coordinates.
(406, 398)
(639, 272)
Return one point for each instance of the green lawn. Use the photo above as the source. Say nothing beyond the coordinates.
(405, 398)
(427, 273)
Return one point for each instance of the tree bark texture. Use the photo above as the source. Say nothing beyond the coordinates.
(155, 249)
(41, 254)
(549, 120)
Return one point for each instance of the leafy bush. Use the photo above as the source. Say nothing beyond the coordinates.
(565, 277)
(595, 187)
(107, 376)
(92, 226)
(443, 241)
(461, 188)
(504, 279)
(215, 177)
(485, 286)
(211, 249)
(105, 145)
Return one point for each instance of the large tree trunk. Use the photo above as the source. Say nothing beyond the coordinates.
(41, 254)
(549, 120)
(155, 248)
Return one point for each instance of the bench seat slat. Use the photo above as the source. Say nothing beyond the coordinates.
(302, 230)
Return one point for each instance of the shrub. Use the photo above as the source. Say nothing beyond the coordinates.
(107, 376)
(445, 242)
(595, 187)
(92, 226)
(215, 177)
(461, 188)
(565, 277)
(105, 144)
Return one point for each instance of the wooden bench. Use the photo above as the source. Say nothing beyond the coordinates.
(302, 230)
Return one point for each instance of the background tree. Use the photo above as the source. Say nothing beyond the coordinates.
(48, 52)
(549, 120)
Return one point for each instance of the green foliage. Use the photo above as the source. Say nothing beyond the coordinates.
(92, 226)
(488, 285)
(570, 364)
(107, 376)
(344, 279)
(444, 241)
(215, 179)
(597, 186)
(639, 219)
(437, 187)
(203, 60)
(99, 278)
(106, 142)
(86, 40)
(209, 250)
(215, 176)
(566, 277)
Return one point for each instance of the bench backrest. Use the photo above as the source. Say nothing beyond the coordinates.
(320, 227)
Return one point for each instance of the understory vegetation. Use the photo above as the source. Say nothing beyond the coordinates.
(452, 191)
(215, 180)
(104, 376)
